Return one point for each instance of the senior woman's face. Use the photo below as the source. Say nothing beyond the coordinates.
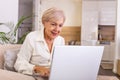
(53, 28)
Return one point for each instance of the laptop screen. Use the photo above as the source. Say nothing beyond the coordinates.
(76, 62)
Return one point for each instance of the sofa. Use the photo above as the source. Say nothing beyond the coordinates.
(6, 74)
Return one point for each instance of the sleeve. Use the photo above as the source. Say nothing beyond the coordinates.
(22, 64)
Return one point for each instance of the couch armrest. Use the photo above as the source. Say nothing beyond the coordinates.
(3, 48)
(9, 75)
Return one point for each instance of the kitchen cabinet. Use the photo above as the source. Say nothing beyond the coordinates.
(109, 51)
(106, 33)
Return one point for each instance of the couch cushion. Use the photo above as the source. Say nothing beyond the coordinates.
(3, 48)
(10, 57)
(9, 75)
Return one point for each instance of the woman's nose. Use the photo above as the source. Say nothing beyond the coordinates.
(57, 28)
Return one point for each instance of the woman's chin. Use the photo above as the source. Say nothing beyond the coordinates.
(53, 37)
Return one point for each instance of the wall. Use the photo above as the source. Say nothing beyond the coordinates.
(8, 13)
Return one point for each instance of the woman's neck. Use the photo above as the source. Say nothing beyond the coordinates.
(49, 44)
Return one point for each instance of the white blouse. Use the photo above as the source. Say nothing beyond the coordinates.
(34, 51)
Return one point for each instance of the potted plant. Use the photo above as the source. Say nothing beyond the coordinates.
(10, 37)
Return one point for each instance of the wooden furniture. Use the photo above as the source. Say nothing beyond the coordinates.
(106, 32)
(71, 33)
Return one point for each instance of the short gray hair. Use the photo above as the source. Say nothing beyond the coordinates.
(53, 13)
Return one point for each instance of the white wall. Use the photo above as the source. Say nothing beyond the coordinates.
(8, 12)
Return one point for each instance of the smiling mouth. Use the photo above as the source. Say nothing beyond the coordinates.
(54, 33)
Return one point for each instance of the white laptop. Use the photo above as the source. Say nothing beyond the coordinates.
(76, 62)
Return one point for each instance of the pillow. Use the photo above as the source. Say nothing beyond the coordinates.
(10, 57)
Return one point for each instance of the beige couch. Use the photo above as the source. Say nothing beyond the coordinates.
(6, 74)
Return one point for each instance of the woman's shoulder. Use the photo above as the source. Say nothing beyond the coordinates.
(33, 33)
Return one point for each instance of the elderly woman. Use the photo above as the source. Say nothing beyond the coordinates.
(36, 52)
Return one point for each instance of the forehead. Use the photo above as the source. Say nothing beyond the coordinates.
(56, 20)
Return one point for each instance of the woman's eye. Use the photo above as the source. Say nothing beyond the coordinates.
(60, 25)
(53, 24)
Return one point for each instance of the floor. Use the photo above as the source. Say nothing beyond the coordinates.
(107, 72)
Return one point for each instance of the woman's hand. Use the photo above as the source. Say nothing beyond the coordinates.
(43, 71)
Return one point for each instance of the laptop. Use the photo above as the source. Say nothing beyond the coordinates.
(76, 62)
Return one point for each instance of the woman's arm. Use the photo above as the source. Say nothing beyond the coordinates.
(22, 64)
